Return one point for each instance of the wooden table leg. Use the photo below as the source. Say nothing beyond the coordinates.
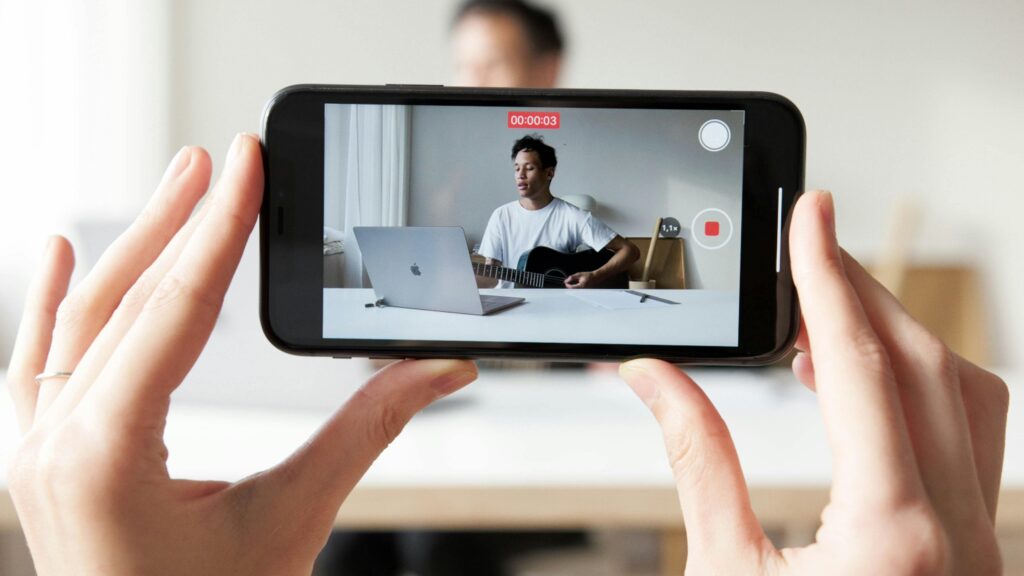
(14, 557)
(673, 552)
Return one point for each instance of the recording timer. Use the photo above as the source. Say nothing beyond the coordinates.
(535, 120)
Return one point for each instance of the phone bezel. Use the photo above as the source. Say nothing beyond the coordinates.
(291, 263)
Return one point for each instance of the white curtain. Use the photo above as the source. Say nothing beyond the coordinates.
(377, 175)
(87, 126)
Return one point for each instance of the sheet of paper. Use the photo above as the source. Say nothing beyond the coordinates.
(617, 299)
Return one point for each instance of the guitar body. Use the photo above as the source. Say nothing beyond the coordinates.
(557, 266)
(545, 267)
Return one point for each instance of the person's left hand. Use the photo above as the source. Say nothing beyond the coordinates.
(90, 481)
(581, 280)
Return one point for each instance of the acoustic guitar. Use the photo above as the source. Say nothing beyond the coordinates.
(544, 267)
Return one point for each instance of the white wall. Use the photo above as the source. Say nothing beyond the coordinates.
(916, 97)
(84, 110)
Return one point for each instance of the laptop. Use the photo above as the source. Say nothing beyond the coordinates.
(426, 268)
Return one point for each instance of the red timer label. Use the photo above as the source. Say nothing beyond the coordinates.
(535, 120)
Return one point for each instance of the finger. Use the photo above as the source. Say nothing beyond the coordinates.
(84, 313)
(803, 342)
(803, 369)
(855, 384)
(932, 400)
(720, 524)
(48, 288)
(803, 365)
(133, 389)
(323, 471)
(986, 401)
(133, 301)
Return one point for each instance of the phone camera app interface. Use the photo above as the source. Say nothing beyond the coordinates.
(524, 224)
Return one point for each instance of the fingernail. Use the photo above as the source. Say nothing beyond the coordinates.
(236, 145)
(828, 211)
(448, 383)
(641, 381)
(178, 164)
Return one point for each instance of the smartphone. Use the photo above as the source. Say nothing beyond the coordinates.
(426, 221)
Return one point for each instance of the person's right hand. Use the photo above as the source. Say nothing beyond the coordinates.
(917, 436)
(90, 480)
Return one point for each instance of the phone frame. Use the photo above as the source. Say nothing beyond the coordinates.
(291, 261)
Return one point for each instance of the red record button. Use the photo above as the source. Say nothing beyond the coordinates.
(535, 120)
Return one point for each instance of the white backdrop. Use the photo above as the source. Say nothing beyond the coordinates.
(85, 105)
(916, 97)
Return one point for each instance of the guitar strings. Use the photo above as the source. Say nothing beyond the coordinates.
(496, 270)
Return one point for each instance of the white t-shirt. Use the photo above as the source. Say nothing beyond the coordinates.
(513, 230)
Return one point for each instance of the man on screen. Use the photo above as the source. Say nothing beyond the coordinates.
(537, 219)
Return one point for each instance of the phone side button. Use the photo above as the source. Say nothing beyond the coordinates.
(342, 357)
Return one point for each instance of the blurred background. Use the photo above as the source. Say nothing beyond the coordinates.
(917, 100)
(913, 110)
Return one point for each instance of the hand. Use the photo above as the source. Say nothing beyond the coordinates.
(581, 280)
(90, 480)
(917, 435)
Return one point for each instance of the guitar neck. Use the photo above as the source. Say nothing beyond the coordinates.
(519, 277)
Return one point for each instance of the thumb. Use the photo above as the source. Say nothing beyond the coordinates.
(323, 471)
(721, 528)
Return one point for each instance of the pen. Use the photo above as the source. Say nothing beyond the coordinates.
(646, 297)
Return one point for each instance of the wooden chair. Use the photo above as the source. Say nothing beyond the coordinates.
(946, 299)
(668, 269)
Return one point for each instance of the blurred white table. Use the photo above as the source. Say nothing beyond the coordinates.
(562, 449)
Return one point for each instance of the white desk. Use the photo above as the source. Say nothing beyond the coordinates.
(521, 429)
(558, 450)
(702, 318)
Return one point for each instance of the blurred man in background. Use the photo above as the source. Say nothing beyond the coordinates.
(506, 44)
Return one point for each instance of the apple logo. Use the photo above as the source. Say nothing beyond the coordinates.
(415, 269)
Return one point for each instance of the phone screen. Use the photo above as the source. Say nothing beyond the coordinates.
(577, 225)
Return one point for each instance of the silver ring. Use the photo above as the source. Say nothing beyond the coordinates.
(48, 375)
